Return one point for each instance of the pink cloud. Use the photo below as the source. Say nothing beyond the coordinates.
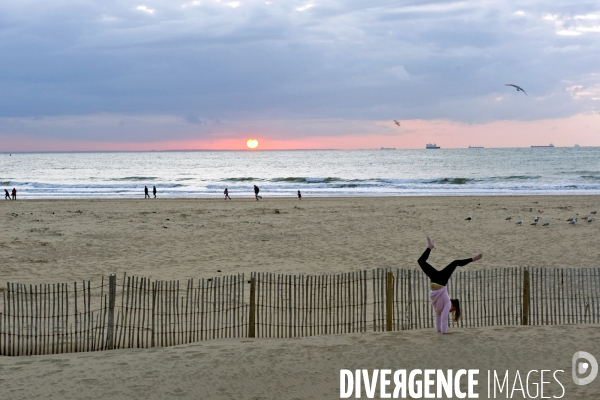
(412, 134)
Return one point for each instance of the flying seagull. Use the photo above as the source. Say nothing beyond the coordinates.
(397, 123)
(517, 87)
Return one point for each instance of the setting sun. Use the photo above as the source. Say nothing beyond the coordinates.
(252, 143)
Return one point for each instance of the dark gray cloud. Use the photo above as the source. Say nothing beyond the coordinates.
(197, 62)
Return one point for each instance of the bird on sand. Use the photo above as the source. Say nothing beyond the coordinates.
(509, 218)
(516, 87)
(594, 212)
(590, 219)
(397, 123)
(547, 223)
(519, 223)
(535, 223)
(536, 219)
(573, 221)
(468, 218)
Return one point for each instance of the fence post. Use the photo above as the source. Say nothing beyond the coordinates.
(525, 311)
(251, 316)
(112, 289)
(154, 288)
(389, 301)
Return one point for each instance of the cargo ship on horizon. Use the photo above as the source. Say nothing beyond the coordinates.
(550, 145)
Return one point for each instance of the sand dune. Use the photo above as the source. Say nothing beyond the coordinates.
(303, 368)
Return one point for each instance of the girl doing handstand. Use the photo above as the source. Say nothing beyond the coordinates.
(440, 300)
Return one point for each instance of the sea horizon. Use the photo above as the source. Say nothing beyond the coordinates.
(275, 150)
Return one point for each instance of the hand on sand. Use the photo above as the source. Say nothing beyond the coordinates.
(430, 244)
(477, 257)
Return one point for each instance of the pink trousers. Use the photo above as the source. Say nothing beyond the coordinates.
(440, 300)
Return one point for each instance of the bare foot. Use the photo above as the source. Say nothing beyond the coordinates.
(477, 257)
(429, 244)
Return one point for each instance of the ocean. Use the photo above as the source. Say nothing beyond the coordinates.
(205, 174)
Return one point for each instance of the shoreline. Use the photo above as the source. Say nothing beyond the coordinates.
(307, 197)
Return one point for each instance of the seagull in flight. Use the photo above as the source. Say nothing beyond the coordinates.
(397, 123)
(516, 87)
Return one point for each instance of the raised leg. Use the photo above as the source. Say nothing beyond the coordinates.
(431, 272)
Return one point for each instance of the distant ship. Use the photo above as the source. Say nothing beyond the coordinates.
(431, 146)
(550, 145)
(388, 148)
(577, 145)
(476, 147)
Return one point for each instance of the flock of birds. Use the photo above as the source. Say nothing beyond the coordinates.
(571, 221)
(536, 220)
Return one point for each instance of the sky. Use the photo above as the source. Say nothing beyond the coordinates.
(91, 75)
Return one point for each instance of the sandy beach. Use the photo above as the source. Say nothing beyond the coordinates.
(63, 241)
(68, 240)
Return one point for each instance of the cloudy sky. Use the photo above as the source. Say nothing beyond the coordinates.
(208, 74)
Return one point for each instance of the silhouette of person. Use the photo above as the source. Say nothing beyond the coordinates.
(256, 190)
(226, 193)
(299, 195)
(154, 191)
(14, 194)
(146, 195)
(6, 195)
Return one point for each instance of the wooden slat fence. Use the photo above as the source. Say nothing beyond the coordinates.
(65, 318)
(307, 305)
(134, 312)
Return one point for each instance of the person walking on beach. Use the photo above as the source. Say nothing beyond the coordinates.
(299, 195)
(226, 193)
(256, 190)
(440, 300)
(154, 191)
(14, 194)
(6, 195)
(146, 195)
